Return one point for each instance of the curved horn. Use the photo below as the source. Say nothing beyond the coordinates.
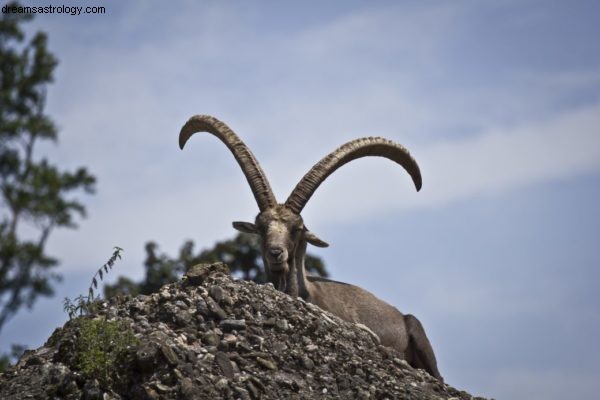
(369, 146)
(250, 167)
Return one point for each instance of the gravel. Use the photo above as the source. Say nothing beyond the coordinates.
(209, 336)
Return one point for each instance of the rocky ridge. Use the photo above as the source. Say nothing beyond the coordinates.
(211, 337)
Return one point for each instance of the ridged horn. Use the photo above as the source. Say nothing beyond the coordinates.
(254, 174)
(363, 147)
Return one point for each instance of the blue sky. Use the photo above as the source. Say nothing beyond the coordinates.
(499, 102)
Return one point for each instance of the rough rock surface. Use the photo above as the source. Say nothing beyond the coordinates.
(211, 337)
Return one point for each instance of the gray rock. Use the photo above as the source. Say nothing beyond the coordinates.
(225, 364)
(198, 273)
(169, 354)
(266, 363)
(229, 325)
(211, 339)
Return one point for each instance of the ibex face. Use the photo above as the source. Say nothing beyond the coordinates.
(282, 234)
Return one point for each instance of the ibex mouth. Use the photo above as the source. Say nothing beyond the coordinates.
(278, 266)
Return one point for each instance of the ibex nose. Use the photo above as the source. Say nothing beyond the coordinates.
(275, 251)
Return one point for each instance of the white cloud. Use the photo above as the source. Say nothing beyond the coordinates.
(493, 162)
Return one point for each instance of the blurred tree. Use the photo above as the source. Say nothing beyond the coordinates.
(32, 190)
(7, 359)
(242, 254)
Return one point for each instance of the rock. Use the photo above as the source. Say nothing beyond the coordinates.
(266, 363)
(282, 325)
(215, 309)
(169, 354)
(223, 361)
(198, 273)
(229, 325)
(217, 293)
(211, 339)
(194, 343)
(307, 363)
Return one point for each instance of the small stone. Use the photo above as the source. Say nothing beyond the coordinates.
(266, 363)
(229, 325)
(282, 325)
(217, 293)
(241, 393)
(222, 384)
(208, 358)
(311, 347)
(162, 388)
(401, 363)
(256, 340)
(211, 339)
(188, 390)
(223, 345)
(165, 295)
(202, 307)
(308, 363)
(225, 364)
(253, 390)
(230, 339)
(279, 347)
(215, 309)
(169, 354)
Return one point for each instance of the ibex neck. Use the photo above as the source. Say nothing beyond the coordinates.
(300, 271)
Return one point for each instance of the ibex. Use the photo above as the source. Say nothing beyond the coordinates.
(284, 238)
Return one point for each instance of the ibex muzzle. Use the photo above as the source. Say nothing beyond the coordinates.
(284, 238)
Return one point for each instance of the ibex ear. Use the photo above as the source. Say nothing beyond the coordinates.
(314, 240)
(246, 227)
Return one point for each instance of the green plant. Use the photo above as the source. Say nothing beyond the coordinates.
(100, 347)
(101, 344)
(81, 304)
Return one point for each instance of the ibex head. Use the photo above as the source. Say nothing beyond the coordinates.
(283, 234)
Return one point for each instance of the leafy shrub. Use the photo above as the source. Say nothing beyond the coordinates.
(101, 345)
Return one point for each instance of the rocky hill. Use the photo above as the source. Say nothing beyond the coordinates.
(211, 337)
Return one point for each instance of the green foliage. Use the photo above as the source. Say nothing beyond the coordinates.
(100, 347)
(85, 305)
(101, 344)
(242, 254)
(32, 190)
